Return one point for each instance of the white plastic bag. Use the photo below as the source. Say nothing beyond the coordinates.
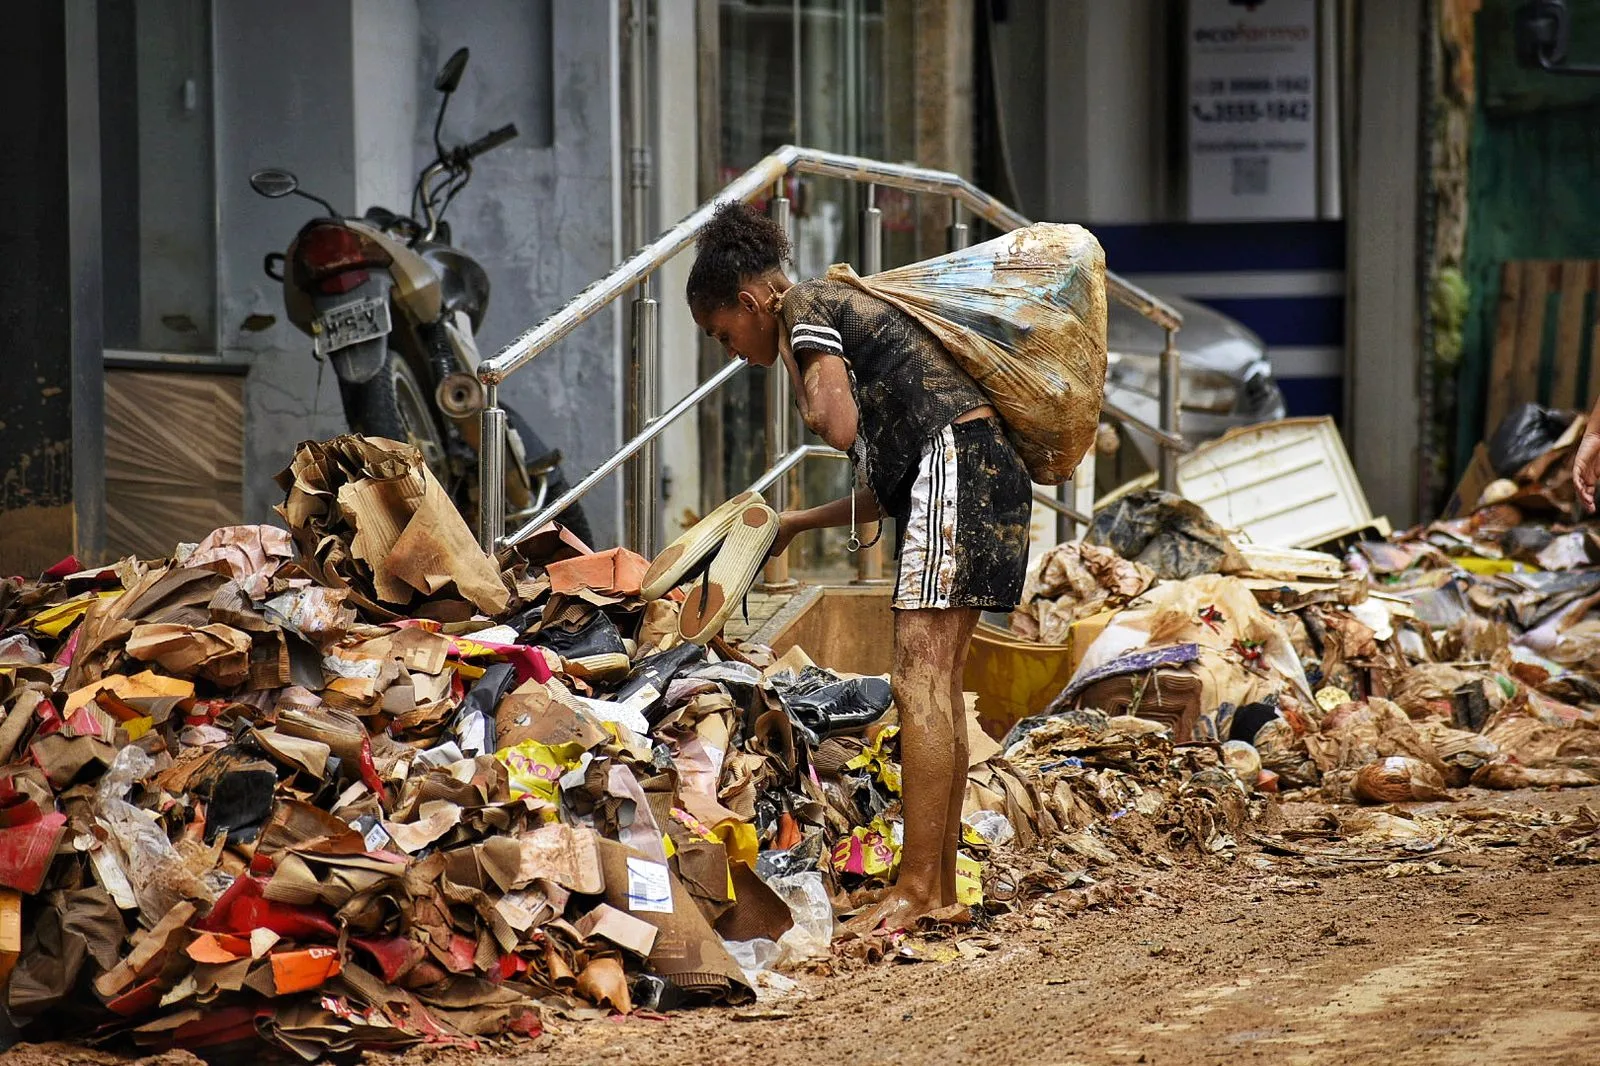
(811, 937)
(158, 874)
(1025, 316)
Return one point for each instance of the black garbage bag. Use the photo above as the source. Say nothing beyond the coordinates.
(1169, 534)
(1524, 435)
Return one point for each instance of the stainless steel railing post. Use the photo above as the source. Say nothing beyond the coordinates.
(639, 477)
(776, 577)
(959, 233)
(869, 561)
(1168, 470)
(491, 472)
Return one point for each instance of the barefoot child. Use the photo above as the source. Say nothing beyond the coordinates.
(933, 455)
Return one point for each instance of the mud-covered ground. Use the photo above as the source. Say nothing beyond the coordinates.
(1482, 957)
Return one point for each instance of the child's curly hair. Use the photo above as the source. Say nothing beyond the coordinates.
(738, 243)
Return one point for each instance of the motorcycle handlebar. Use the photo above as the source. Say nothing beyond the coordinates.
(488, 142)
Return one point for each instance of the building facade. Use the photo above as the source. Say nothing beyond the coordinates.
(159, 387)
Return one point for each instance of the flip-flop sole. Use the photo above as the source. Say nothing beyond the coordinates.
(698, 541)
(735, 567)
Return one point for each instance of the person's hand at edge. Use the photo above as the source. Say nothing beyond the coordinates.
(1586, 466)
(789, 526)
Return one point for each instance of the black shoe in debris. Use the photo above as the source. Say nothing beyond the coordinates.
(647, 684)
(827, 705)
(593, 651)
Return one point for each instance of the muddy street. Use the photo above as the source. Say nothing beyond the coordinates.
(1264, 960)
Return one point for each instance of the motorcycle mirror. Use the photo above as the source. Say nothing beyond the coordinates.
(450, 74)
(274, 184)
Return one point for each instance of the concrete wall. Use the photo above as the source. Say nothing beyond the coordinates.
(386, 42)
(51, 464)
(340, 91)
(1382, 379)
(282, 99)
(543, 220)
(1103, 108)
(677, 161)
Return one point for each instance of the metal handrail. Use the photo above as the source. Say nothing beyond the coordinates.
(656, 427)
(1061, 508)
(748, 186)
(1161, 436)
(635, 270)
(792, 460)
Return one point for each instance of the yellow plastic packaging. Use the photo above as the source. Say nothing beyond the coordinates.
(536, 769)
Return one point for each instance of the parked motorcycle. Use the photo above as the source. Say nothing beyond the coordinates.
(395, 308)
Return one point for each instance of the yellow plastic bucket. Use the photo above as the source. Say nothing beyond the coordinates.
(1014, 678)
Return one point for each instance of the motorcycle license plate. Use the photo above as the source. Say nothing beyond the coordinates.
(340, 327)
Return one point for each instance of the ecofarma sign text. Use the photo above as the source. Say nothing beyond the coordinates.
(1245, 34)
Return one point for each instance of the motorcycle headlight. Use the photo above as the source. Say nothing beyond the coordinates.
(1206, 391)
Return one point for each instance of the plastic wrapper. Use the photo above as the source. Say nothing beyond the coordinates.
(160, 878)
(994, 827)
(1025, 316)
(1398, 779)
(1243, 760)
(18, 650)
(811, 936)
(536, 769)
(1168, 534)
(759, 959)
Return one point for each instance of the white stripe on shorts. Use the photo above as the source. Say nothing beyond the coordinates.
(927, 553)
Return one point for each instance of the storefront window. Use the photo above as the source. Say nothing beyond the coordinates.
(157, 175)
(814, 73)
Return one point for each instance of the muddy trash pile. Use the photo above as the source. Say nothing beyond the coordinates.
(1115, 788)
(1464, 654)
(355, 786)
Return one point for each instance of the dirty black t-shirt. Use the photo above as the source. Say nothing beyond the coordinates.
(907, 386)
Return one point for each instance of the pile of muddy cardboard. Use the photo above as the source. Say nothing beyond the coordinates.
(355, 785)
(1461, 654)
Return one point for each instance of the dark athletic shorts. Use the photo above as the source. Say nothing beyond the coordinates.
(963, 528)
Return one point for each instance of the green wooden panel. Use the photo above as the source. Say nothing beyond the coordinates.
(1534, 185)
(1506, 88)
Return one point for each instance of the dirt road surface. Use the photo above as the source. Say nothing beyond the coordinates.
(1488, 957)
(1260, 961)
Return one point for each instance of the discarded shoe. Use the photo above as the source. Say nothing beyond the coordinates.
(713, 597)
(593, 651)
(678, 559)
(474, 723)
(645, 687)
(827, 705)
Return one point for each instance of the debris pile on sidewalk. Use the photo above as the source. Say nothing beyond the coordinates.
(1465, 653)
(352, 786)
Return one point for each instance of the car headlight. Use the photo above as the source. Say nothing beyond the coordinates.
(1206, 391)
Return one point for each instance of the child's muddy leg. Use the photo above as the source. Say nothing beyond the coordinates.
(928, 645)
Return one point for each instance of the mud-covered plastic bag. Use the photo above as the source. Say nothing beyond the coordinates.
(1025, 316)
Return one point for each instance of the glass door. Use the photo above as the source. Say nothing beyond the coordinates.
(812, 73)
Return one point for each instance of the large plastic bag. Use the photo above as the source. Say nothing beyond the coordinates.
(1525, 434)
(1025, 316)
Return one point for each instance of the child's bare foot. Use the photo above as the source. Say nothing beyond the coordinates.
(896, 911)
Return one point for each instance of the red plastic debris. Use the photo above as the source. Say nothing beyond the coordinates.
(27, 849)
(243, 909)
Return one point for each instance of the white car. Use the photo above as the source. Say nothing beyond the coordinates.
(1225, 378)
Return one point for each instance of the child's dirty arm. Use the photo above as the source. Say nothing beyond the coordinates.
(829, 515)
(822, 392)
